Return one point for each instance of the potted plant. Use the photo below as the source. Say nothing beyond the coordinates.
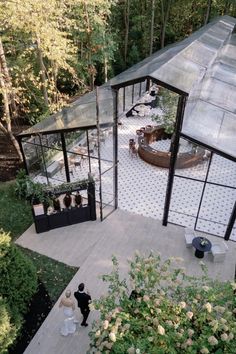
(56, 203)
(67, 200)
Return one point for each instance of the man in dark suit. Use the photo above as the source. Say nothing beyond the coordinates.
(83, 300)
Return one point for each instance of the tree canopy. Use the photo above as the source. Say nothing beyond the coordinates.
(50, 51)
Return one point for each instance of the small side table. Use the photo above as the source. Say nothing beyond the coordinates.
(200, 249)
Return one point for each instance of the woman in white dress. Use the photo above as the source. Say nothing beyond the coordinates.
(69, 326)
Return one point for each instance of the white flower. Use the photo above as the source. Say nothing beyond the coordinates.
(105, 324)
(138, 351)
(97, 334)
(112, 337)
(223, 320)
(131, 350)
(157, 302)
(118, 321)
(224, 337)
(189, 314)
(205, 288)
(231, 336)
(91, 307)
(146, 298)
(204, 351)
(189, 341)
(190, 332)
(212, 340)
(208, 307)
(233, 286)
(161, 330)
(182, 304)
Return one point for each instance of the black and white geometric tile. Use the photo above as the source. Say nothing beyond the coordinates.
(142, 187)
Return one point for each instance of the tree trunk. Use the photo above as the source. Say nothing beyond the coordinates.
(5, 124)
(105, 68)
(126, 17)
(208, 12)
(152, 27)
(42, 73)
(165, 17)
(8, 81)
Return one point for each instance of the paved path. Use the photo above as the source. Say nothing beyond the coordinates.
(90, 246)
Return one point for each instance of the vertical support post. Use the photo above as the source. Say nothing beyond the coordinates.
(23, 154)
(63, 144)
(43, 157)
(99, 153)
(115, 146)
(92, 200)
(123, 99)
(230, 223)
(147, 84)
(87, 137)
(132, 94)
(140, 89)
(174, 152)
(203, 190)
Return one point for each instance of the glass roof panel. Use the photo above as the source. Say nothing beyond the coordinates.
(79, 114)
(202, 65)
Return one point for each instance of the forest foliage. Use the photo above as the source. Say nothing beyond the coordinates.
(53, 50)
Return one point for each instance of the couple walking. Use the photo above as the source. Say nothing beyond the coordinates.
(83, 300)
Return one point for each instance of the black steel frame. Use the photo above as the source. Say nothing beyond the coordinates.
(174, 149)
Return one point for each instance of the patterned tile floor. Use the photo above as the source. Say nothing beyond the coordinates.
(142, 187)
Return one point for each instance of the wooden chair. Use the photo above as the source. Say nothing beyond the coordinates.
(134, 151)
(131, 144)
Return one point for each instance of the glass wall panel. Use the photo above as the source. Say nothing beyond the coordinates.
(128, 97)
(217, 205)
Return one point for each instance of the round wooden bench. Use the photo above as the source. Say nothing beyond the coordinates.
(162, 158)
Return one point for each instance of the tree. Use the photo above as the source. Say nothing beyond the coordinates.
(8, 97)
(152, 27)
(208, 11)
(166, 312)
(165, 11)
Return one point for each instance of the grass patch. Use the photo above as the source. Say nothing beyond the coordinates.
(16, 215)
(53, 274)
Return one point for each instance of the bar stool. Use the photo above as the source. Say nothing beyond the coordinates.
(142, 129)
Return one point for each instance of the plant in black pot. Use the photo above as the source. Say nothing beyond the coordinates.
(56, 203)
(78, 199)
(67, 200)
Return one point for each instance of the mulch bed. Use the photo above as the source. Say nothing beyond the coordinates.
(39, 308)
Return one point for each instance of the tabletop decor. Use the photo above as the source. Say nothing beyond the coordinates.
(204, 242)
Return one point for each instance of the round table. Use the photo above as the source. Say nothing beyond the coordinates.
(200, 249)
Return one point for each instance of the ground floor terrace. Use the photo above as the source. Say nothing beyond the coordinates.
(142, 187)
(90, 246)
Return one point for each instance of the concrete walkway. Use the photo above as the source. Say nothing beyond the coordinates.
(90, 246)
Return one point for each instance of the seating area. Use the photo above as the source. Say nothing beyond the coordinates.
(218, 249)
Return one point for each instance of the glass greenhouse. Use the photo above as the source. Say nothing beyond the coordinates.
(202, 70)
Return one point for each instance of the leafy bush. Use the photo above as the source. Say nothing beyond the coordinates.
(168, 312)
(18, 276)
(26, 188)
(8, 330)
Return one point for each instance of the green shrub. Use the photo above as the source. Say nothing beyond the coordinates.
(8, 330)
(169, 312)
(26, 188)
(18, 276)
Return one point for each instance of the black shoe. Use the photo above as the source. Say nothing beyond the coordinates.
(84, 324)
